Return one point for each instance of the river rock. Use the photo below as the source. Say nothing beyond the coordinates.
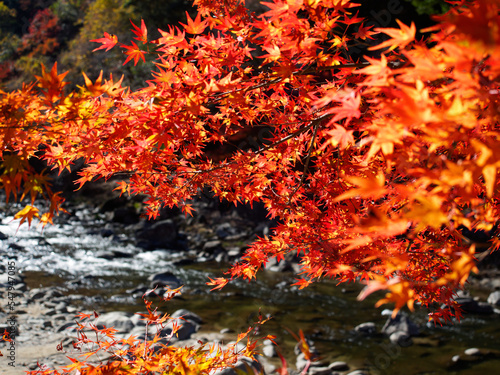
(243, 366)
(187, 315)
(117, 319)
(224, 230)
(494, 298)
(164, 279)
(112, 254)
(401, 338)
(473, 352)
(159, 235)
(7, 280)
(367, 328)
(470, 305)
(400, 323)
(126, 215)
(186, 328)
(339, 366)
(319, 370)
(269, 351)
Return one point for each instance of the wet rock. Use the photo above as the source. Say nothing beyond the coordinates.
(358, 372)
(159, 235)
(117, 319)
(367, 328)
(7, 280)
(3, 236)
(269, 351)
(400, 330)
(319, 371)
(126, 215)
(243, 366)
(401, 338)
(339, 366)
(494, 298)
(470, 305)
(66, 327)
(138, 320)
(139, 291)
(282, 266)
(187, 328)
(212, 246)
(400, 323)
(187, 315)
(224, 230)
(473, 352)
(113, 254)
(164, 279)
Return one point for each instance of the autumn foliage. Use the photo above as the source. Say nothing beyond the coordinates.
(374, 165)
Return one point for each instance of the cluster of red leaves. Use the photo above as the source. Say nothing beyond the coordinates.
(100, 352)
(372, 171)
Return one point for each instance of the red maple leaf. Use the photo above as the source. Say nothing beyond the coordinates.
(108, 42)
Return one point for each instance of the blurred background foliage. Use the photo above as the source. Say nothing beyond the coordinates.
(35, 32)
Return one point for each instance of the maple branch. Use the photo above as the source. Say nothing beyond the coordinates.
(315, 123)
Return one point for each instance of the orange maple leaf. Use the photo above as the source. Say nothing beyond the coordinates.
(219, 283)
(400, 37)
(371, 187)
(194, 27)
(27, 213)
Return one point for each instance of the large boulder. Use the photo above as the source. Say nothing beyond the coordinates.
(400, 330)
(117, 319)
(164, 279)
(158, 235)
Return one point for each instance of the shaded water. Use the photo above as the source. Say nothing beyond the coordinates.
(64, 254)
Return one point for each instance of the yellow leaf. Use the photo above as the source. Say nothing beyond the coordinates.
(27, 213)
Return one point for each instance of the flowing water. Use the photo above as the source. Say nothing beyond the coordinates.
(64, 254)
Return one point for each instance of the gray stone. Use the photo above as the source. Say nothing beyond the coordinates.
(160, 235)
(470, 305)
(319, 371)
(400, 323)
(494, 298)
(473, 352)
(243, 366)
(66, 327)
(269, 351)
(367, 328)
(187, 328)
(164, 279)
(61, 307)
(400, 338)
(117, 319)
(138, 320)
(339, 366)
(212, 246)
(187, 315)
